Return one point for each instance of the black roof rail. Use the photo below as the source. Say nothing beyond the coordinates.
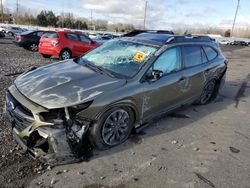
(136, 32)
(190, 38)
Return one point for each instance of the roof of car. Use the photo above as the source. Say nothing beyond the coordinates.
(161, 37)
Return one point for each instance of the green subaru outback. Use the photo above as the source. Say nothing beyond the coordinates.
(106, 93)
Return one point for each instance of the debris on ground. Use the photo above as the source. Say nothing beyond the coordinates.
(81, 173)
(174, 141)
(102, 177)
(196, 149)
(234, 150)
(53, 181)
(204, 179)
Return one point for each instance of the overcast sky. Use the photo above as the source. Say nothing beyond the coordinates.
(161, 14)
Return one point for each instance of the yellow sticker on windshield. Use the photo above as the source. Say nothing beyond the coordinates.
(139, 56)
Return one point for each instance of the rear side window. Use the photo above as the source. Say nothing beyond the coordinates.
(203, 56)
(39, 33)
(84, 39)
(50, 35)
(211, 53)
(192, 56)
(71, 36)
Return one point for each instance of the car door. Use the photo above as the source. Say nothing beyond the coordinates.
(86, 44)
(165, 93)
(74, 43)
(38, 36)
(194, 59)
(33, 38)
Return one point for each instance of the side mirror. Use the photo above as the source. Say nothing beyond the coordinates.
(156, 75)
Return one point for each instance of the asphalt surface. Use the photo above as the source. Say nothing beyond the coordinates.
(197, 146)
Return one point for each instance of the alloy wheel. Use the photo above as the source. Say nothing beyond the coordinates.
(207, 92)
(65, 55)
(116, 127)
(33, 47)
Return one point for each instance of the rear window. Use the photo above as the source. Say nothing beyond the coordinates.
(72, 36)
(50, 35)
(27, 32)
(192, 56)
(211, 53)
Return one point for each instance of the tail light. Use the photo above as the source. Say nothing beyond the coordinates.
(55, 42)
(19, 37)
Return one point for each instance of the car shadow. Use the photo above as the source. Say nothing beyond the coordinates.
(230, 95)
(3, 42)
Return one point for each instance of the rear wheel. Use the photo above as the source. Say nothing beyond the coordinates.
(33, 47)
(46, 56)
(207, 93)
(113, 128)
(65, 54)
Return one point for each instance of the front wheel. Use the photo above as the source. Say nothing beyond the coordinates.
(113, 128)
(207, 93)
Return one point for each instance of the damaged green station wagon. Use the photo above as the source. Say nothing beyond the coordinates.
(111, 90)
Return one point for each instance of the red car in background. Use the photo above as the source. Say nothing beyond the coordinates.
(65, 44)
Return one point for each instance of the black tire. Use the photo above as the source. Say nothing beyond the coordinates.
(46, 56)
(26, 47)
(207, 93)
(11, 34)
(65, 54)
(98, 132)
(33, 47)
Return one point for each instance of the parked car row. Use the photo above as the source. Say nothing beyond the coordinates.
(12, 31)
(104, 38)
(240, 43)
(63, 44)
(236, 43)
(29, 39)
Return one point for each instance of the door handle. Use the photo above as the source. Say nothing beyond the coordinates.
(182, 79)
(207, 71)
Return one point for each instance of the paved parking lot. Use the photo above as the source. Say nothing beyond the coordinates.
(198, 146)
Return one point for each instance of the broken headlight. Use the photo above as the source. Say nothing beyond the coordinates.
(55, 116)
(73, 110)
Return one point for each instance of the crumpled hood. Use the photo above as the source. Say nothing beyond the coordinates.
(64, 84)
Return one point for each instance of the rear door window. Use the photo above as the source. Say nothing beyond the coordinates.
(50, 35)
(39, 34)
(84, 39)
(211, 53)
(192, 56)
(71, 36)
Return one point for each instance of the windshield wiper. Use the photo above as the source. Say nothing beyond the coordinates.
(99, 69)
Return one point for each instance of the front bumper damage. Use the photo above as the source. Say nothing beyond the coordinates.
(48, 145)
(53, 143)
